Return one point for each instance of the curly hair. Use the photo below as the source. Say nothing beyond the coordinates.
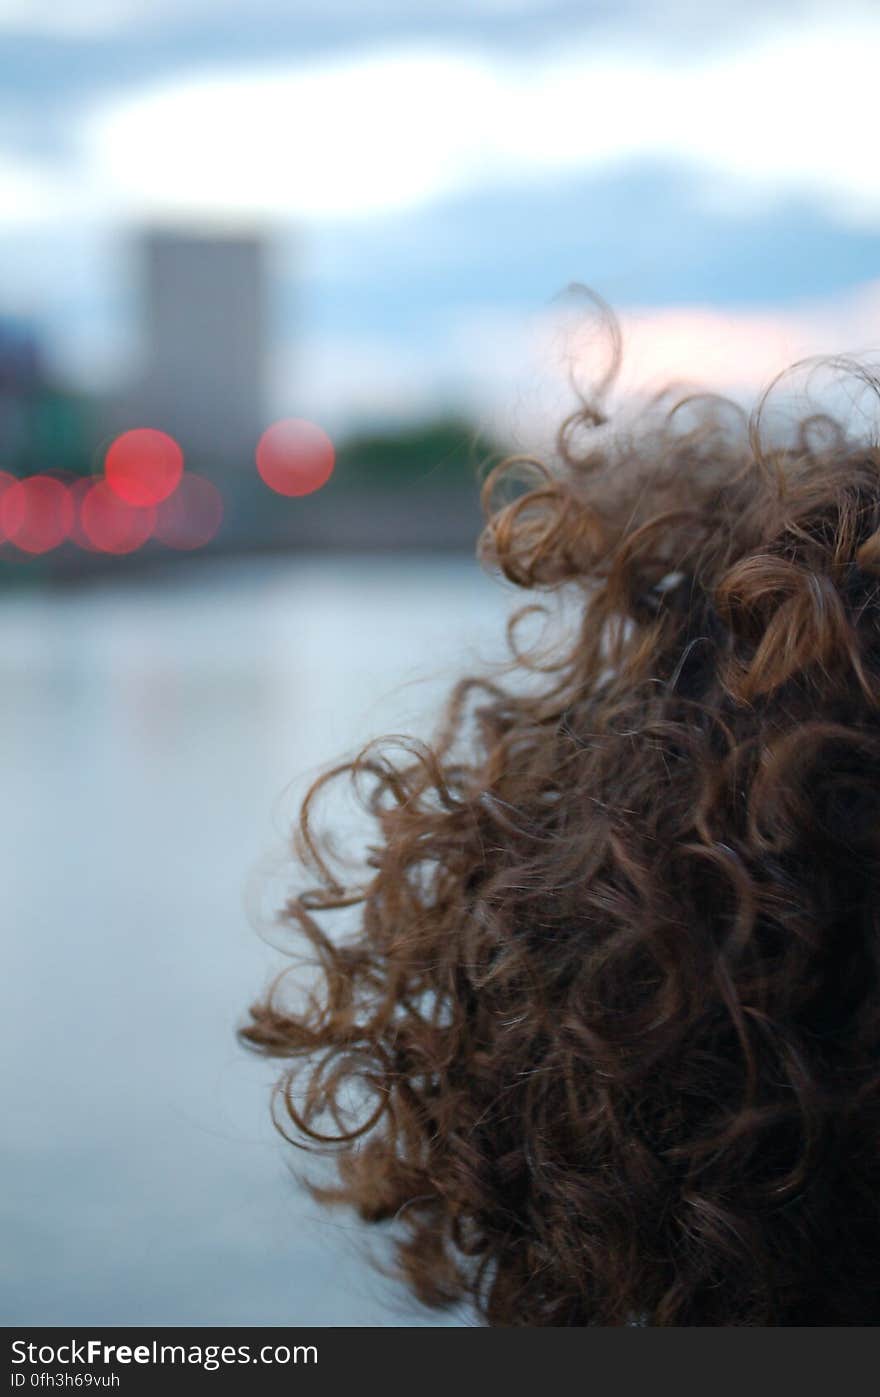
(610, 1016)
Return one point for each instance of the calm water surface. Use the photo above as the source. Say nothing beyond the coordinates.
(155, 739)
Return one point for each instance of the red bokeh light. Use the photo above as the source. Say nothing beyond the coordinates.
(143, 466)
(6, 481)
(111, 525)
(36, 514)
(192, 515)
(295, 457)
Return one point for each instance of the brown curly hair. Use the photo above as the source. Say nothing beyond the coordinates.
(611, 1014)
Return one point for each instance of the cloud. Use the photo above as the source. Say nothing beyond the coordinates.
(684, 22)
(30, 195)
(396, 128)
(513, 370)
(68, 18)
(738, 353)
(742, 350)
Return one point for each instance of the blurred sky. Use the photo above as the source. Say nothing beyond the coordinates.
(435, 173)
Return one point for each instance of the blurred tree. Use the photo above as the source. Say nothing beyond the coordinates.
(440, 451)
(61, 432)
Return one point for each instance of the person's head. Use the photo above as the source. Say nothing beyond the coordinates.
(612, 1013)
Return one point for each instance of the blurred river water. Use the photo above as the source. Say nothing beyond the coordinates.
(156, 737)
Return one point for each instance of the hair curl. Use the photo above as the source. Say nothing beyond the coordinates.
(612, 1010)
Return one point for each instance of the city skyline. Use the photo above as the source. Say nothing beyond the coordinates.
(417, 262)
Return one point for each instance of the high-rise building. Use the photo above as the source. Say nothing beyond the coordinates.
(204, 313)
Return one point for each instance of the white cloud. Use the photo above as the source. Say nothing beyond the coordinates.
(66, 18)
(386, 130)
(511, 370)
(28, 194)
(369, 135)
(79, 18)
(742, 350)
(736, 353)
(393, 129)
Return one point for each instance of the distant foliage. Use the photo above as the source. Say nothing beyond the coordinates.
(445, 451)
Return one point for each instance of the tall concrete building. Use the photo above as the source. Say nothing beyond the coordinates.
(204, 313)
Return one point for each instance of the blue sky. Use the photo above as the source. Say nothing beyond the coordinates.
(434, 175)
